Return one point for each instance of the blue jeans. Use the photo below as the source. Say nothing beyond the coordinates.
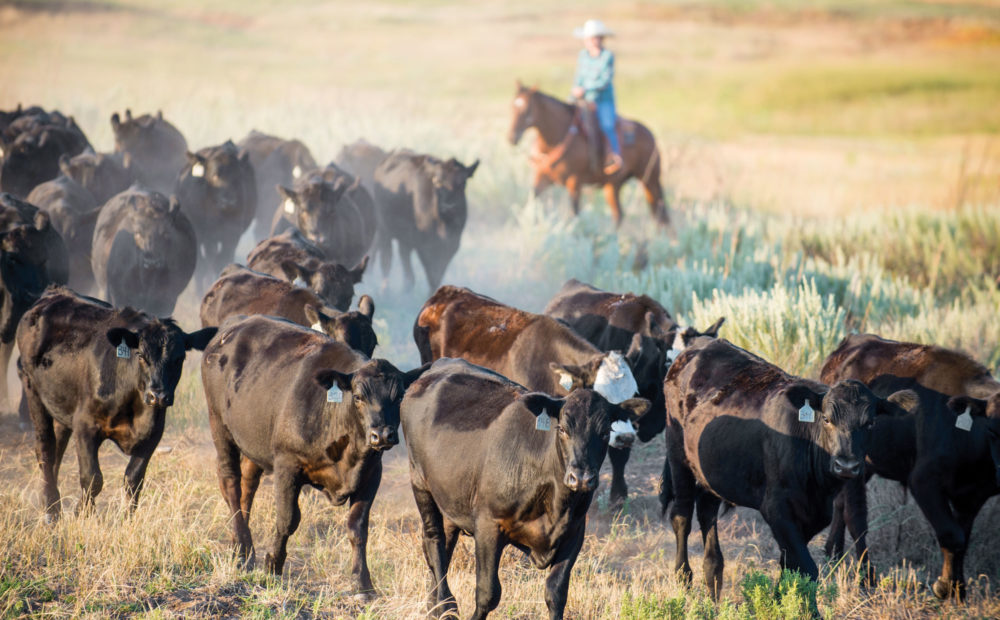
(606, 117)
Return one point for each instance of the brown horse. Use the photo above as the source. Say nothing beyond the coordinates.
(560, 153)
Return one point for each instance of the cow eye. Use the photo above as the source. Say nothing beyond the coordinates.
(827, 420)
(562, 431)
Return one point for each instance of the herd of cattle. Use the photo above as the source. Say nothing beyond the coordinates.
(534, 401)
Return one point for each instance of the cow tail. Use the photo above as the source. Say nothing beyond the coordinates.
(421, 337)
(666, 487)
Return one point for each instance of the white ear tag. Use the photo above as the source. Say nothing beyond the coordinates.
(543, 422)
(565, 380)
(672, 355)
(807, 413)
(964, 421)
(299, 282)
(296, 172)
(318, 327)
(289, 205)
(334, 394)
(1, 151)
(198, 170)
(124, 353)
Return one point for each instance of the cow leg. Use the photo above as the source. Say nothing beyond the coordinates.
(950, 535)
(708, 519)
(46, 449)
(619, 489)
(434, 266)
(611, 192)
(62, 435)
(666, 487)
(439, 542)
(230, 485)
(406, 260)
(557, 583)
(792, 543)
(249, 481)
(135, 472)
(489, 548)
(6, 351)
(855, 510)
(357, 528)
(681, 510)
(966, 510)
(287, 484)
(834, 547)
(383, 244)
(88, 440)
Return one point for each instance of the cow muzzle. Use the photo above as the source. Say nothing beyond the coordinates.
(846, 468)
(157, 398)
(383, 438)
(580, 481)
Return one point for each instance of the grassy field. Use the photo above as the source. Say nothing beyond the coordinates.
(832, 168)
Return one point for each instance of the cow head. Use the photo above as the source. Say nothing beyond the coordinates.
(684, 337)
(103, 175)
(842, 421)
(26, 162)
(585, 423)
(988, 425)
(311, 207)
(523, 112)
(132, 132)
(373, 393)
(152, 238)
(333, 282)
(607, 373)
(448, 180)
(223, 177)
(23, 271)
(351, 328)
(159, 348)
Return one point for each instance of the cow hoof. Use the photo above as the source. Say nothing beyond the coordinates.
(50, 518)
(364, 597)
(270, 565)
(946, 589)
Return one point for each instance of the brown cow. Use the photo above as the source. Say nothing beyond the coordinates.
(361, 158)
(296, 259)
(157, 149)
(243, 291)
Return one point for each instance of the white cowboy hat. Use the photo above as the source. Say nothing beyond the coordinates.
(593, 28)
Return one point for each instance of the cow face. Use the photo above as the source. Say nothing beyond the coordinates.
(27, 161)
(585, 423)
(522, 113)
(220, 172)
(375, 391)
(159, 348)
(311, 207)
(607, 373)
(843, 418)
(333, 282)
(23, 272)
(983, 423)
(448, 179)
(134, 133)
(153, 239)
(103, 175)
(351, 328)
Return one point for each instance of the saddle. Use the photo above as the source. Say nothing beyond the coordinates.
(586, 124)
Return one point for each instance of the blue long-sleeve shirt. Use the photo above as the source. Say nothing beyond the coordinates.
(594, 75)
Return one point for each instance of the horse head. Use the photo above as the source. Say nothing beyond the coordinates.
(521, 106)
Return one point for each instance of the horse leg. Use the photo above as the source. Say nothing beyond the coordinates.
(611, 195)
(573, 187)
(541, 183)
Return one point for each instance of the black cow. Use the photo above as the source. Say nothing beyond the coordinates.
(103, 373)
(31, 147)
(610, 322)
(243, 291)
(275, 161)
(333, 210)
(743, 431)
(74, 214)
(298, 260)
(218, 193)
(525, 475)
(286, 399)
(421, 204)
(103, 174)
(144, 251)
(157, 149)
(361, 158)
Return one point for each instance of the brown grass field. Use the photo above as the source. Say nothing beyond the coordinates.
(829, 113)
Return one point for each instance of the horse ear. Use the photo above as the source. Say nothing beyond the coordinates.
(518, 84)
(534, 88)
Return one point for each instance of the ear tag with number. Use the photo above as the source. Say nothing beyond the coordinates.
(334, 394)
(198, 170)
(565, 381)
(123, 351)
(807, 413)
(543, 422)
(964, 421)
(289, 205)
(316, 326)
(296, 172)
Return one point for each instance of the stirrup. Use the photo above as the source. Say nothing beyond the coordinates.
(614, 164)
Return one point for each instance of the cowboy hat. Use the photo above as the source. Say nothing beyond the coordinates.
(593, 28)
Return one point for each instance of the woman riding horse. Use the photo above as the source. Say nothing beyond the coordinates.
(595, 70)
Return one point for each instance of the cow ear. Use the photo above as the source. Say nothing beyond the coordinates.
(359, 271)
(116, 122)
(631, 410)
(44, 139)
(908, 400)
(128, 114)
(577, 375)
(159, 115)
(959, 404)
(64, 166)
(199, 340)
(366, 306)
(412, 375)
(117, 335)
(127, 161)
(292, 270)
(42, 220)
(314, 316)
(713, 330)
(538, 402)
(328, 377)
(470, 170)
(287, 194)
(634, 350)
(799, 394)
(174, 206)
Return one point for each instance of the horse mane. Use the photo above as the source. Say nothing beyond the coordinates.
(548, 97)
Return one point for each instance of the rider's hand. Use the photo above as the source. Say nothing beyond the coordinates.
(577, 92)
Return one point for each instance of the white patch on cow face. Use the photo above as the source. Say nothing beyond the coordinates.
(296, 172)
(519, 103)
(316, 326)
(289, 205)
(614, 379)
(675, 349)
(198, 170)
(622, 434)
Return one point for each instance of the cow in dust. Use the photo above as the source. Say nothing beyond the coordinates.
(31, 147)
(276, 161)
(244, 291)
(610, 322)
(361, 158)
(421, 204)
(743, 431)
(525, 474)
(287, 400)
(296, 259)
(73, 213)
(144, 251)
(946, 450)
(333, 210)
(218, 193)
(102, 174)
(102, 373)
(157, 149)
